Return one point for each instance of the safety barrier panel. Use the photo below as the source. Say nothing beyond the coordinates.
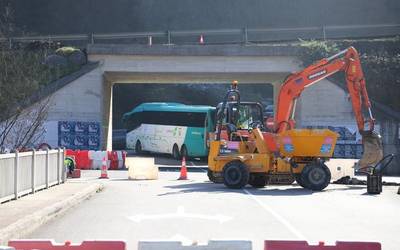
(212, 245)
(177, 245)
(51, 245)
(303, 245)
(91, 159)
(27, 172)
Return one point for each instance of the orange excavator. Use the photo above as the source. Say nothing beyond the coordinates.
(289, 152)
(347, 61)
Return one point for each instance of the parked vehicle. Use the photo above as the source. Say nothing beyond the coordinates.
(172, 128)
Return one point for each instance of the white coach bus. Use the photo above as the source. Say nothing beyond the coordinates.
(172, 128)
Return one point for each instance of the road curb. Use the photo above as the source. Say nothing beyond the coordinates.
(30, 223)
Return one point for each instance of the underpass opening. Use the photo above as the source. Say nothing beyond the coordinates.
(210, 89)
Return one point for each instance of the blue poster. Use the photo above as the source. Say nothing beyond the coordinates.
(79, 135)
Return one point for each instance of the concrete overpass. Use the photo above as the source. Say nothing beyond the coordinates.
(89, 97)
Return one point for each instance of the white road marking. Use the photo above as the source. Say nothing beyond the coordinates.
(180, 213)
(281, 219)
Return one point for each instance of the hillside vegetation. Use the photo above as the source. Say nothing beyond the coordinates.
(380, 61)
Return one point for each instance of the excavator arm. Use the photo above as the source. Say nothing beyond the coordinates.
(347, 61)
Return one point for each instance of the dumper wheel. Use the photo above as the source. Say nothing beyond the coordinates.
(258, 180)
(316, 176)
(300, 181)
(213, 178)
(210, 175)
(236, 174)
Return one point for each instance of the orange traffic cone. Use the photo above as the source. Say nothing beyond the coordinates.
(201, 41)
(183, 175)
(104, 174)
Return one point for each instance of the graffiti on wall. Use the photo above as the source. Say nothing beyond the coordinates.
(79, 135)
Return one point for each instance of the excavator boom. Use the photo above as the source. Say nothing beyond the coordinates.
(347, 61)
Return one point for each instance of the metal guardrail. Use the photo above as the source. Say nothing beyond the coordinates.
(28, 172)
(240, 35)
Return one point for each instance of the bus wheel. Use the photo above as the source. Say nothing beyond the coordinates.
(175, 152)
(184, 152)
(138, 147)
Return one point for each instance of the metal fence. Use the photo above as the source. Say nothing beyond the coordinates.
(219, 36)
(28, 172)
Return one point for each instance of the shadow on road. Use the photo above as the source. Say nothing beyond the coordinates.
(209, 187)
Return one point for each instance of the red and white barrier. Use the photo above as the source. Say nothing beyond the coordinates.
(303, 245)
(121, 156)
(93, 159)
(51, 245)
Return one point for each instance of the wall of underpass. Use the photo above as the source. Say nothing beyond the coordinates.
(86, 103)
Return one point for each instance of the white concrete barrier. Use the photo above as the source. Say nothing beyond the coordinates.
(141, 168)
(212, 245)
(341, 167)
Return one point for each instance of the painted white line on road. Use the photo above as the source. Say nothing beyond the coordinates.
(180, 213)
(277, 216)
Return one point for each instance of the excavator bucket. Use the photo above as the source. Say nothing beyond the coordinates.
(373, 149)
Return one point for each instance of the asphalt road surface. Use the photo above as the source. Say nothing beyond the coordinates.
(197, 210)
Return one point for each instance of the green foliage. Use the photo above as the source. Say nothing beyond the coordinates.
(313, 51)
(21, 74)
(380, 61)
(382, 72)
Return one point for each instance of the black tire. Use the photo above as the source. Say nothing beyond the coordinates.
(258, 180)
(175, 152)
(316, 175)
(210, 175)
(184, 151)
(138, 147)
(215, 179)
(236, 174)
(300, 181)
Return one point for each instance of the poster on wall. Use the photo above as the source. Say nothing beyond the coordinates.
(79, 135)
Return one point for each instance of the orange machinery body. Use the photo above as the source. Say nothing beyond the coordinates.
(289, 150)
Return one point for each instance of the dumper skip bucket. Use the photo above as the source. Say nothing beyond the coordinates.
(307, 143)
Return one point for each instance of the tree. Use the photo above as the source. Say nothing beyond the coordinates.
(21, 74)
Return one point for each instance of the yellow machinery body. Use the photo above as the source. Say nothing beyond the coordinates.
(307, 143)
(295, 147)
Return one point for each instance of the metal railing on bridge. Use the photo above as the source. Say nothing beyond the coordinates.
(27, 172)
(221, 36)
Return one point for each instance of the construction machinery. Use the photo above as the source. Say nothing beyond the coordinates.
(285, 153)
